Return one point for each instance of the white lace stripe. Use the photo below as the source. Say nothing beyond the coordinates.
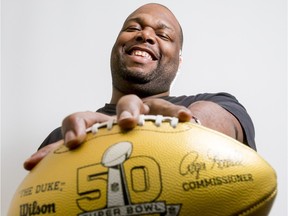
(158, 119)
(174, 122)
(141, 120)
(110, 123)
(94, 128)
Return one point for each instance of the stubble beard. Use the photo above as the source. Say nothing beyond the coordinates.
(143, 84)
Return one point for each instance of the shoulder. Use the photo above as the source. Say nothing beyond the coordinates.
(186, 101)
(228, 102)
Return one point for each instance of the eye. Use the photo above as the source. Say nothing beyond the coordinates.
(163, 36)
(133, 28)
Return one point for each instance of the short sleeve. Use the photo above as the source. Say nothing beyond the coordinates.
(232, 105)
(54, 136)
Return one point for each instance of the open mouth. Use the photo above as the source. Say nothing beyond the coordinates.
(147, 54)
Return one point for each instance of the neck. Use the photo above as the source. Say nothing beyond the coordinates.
(116, 95)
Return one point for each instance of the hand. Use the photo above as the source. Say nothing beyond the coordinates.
(74, 130)
(31, 162)
(74, 126)
(128, 109)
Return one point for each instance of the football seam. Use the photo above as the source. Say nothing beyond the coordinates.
(173, 131)
(259, 203)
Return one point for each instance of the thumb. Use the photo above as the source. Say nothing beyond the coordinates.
(31, 162)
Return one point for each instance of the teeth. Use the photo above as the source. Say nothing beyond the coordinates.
(141, 53)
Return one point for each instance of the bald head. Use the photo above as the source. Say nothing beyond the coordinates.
(160, 9)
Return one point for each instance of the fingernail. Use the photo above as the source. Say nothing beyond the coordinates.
(184, 115)
(125, 115)
(69, 136)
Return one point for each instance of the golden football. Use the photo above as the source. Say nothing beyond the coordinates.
(161, 167)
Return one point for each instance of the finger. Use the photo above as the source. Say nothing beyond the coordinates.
(159, 106)
(31, 162)
(128, 109)
(74, 126)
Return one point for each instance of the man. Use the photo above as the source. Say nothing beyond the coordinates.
(144, 61)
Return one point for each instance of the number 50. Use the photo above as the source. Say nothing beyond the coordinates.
(143, 179)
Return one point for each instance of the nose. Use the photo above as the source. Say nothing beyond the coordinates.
(146, 35)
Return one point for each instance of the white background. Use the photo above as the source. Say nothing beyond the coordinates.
(55, 61)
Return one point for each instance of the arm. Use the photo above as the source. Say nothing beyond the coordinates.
(217, 118)
(210, 115)
(129, 108)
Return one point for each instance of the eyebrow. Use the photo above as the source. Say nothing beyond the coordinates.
(160, 25)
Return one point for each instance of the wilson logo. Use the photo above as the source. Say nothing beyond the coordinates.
(34, 208)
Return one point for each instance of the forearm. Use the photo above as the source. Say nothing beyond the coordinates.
(213, 116)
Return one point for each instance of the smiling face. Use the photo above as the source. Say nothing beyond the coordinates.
(145, 56)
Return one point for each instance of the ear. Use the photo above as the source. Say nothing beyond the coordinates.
(180, 60)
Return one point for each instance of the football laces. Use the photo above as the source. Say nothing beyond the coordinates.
(157, 119)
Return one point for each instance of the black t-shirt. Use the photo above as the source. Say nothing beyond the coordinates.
(225, 100)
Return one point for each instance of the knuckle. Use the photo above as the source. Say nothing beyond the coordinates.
(73, 118)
